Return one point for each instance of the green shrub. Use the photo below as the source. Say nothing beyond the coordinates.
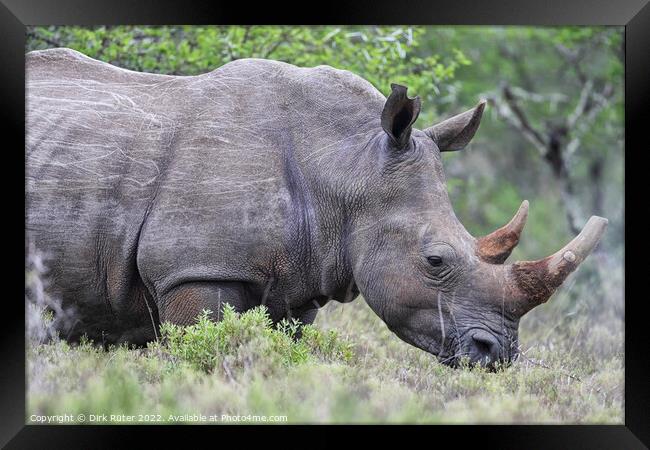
(240, 342)
(327, 345)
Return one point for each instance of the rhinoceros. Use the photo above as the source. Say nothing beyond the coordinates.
(262, 183)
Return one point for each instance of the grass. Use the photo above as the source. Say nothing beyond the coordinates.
(346, 368)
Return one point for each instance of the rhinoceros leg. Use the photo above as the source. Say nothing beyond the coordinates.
(139, 336)
(183, 304)
(308, 317)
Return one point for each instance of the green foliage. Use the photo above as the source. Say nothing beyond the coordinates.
(328, 346)
(547, 67)
(243, 341)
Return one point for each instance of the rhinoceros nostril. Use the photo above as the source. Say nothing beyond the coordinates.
(484, 348)
(482, 345)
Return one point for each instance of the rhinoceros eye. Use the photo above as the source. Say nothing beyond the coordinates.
(435, 261)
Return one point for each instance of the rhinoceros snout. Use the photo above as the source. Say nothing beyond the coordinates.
(486, 350)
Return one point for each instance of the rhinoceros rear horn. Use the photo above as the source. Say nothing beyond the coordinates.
(455, 133)
(536, 281)
(497, 246)
(399, 114)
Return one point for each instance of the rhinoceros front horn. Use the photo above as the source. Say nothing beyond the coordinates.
(536, 281)
(497, 246)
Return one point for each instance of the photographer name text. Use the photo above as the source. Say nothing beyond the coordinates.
(171, 418)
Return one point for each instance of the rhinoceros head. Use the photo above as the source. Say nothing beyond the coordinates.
(435, 285)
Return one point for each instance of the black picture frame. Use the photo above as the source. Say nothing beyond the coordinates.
(15, 15)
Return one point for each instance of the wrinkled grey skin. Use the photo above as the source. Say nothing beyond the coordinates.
(257, 183)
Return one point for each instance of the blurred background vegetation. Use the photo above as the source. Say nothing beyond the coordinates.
(552, 133)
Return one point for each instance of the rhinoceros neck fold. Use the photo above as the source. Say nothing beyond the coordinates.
(326, 194)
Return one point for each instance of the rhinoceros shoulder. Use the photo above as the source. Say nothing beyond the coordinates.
(323, 79)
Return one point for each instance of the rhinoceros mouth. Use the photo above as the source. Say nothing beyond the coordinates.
(445, 350)
(482, 347)
(471, 348)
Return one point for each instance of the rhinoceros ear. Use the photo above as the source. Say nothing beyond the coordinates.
(456, 132)
(399, 114)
